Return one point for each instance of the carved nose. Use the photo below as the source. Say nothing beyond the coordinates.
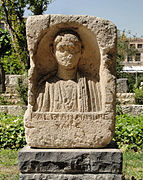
(66, 53)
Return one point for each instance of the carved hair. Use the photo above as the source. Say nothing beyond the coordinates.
(66, 36)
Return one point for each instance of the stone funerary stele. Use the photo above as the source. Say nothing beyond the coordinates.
(71, 98)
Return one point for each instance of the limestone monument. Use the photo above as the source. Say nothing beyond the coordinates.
(71, 82)
(70, 117)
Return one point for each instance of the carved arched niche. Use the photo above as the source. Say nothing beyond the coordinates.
(89, 62)
(45, 64)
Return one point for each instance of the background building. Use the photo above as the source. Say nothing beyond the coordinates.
(134, 64)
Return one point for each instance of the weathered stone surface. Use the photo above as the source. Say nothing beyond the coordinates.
(71, 81)
(141, 85)
(126, 98)
(11, 83)
(132, 109)
(70, 161)
(12, 99)
(122, 86)
(13, 109)
(70, 177)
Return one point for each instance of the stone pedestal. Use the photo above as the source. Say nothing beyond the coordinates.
(70, 164)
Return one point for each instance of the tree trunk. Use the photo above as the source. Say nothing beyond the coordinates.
(2, 79)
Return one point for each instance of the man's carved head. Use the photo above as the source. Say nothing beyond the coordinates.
(67, 49)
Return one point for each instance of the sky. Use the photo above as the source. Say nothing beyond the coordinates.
(125, 14)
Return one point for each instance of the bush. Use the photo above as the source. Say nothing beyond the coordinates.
(118, 108)
(11, 131)
(129, 132)
(138, 96)
(3, 100)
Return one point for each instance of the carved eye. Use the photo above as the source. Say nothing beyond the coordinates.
(61, 49)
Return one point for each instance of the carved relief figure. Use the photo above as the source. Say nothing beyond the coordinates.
(67, 90)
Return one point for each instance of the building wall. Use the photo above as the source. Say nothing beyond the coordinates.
(136, 60)
(134, 64)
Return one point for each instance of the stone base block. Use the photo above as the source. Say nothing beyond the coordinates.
(70, 164)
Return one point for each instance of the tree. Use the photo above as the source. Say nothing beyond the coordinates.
(12, 12)
(124, 50)
(4, 48)
(5, 45)
(38, 7)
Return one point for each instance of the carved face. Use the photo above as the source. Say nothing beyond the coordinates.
(67, 51)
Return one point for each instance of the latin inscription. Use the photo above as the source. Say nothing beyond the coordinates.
(64, 116)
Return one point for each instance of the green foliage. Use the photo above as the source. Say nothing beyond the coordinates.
(22, 89)
(9, 58)
(4, 48)
(3, 100)
(38, 6)
(123, 50)
(11, 131)
(12, 13)
(4, 42)
(129, 132)
(132, 80)
(139, 79)
(118, 109)
(138, 96)
(122, 45)
(12, 64)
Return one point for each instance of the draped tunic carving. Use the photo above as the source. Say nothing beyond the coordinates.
(80, 95)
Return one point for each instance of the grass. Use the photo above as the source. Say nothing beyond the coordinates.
(8, 165)
(132, 165)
